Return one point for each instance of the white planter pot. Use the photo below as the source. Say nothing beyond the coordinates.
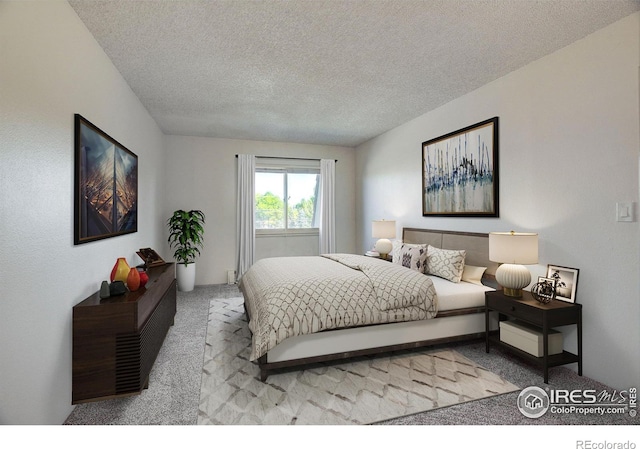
(186, 276)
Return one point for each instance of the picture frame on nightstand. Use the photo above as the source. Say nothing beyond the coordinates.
(566, 282)
(547, 289)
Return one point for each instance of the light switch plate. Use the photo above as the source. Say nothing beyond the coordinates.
(624, 212)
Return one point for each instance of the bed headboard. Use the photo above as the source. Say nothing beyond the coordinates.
(476, 244)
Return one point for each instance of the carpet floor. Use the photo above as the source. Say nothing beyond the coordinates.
(174, 393)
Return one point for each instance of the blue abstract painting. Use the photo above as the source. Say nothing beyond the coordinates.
(460, 172)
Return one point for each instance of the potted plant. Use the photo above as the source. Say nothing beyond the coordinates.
(185, 235)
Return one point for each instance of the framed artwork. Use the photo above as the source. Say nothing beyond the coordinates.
(106, 185)
(460, 172)
(566, 282)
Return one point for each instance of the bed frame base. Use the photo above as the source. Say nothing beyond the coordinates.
(267, 367)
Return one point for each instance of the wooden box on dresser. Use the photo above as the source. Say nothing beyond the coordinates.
(116, 340)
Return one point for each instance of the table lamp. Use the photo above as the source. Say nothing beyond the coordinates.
(383, 230)
(513, 250)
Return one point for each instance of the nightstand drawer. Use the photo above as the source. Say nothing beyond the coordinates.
(516, 309)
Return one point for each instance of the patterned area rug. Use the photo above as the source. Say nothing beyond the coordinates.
(361, 391)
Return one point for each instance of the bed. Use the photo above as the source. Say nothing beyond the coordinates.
(304, 310)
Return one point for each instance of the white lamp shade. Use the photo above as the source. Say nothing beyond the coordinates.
(513, 247)
(383, 229)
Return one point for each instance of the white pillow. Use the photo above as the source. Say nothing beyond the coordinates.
(412, 256)
(446, 263)
(473, 274)
(395, 250)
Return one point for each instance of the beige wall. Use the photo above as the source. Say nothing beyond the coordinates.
(569, 150)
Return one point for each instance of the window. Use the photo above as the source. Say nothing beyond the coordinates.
(286, 199)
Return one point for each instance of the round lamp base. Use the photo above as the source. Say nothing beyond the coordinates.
(384, 247)
(513, 278)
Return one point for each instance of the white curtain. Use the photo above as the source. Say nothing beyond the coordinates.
(245, 213)
(327, 206)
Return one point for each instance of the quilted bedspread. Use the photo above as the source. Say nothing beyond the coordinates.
(288, 296)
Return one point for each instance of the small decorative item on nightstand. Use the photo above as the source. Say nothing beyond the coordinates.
(544, 290)
(566, 282)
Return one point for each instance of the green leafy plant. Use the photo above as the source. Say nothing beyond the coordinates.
(186, 234)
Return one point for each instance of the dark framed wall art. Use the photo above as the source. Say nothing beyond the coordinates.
(106, 185)
(460, 172)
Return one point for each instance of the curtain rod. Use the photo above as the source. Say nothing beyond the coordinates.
(294, 158)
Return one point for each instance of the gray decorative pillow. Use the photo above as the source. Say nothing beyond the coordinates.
(446, 263)
(412, 256)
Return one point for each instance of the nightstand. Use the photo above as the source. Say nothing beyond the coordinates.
(544, 316)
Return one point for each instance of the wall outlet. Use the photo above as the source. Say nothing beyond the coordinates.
(625, 212)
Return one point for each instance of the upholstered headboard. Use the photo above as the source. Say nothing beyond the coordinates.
(476, 244)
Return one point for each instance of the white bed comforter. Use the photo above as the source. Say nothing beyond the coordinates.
(288, 296)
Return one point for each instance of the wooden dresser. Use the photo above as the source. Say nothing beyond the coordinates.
(116, 340)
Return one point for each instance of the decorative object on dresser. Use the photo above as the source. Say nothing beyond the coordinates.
(513, 250)
(460, 172)
(150, 257)
(133, 279)
(106, 185)
(144, 277)
(186, 231)
(566, 282)
(104, 290)
(543, 317)
(383, 230)
(120, 270)
(116, 340)
(117, 288)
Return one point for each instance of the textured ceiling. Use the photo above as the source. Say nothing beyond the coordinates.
(331, 72)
